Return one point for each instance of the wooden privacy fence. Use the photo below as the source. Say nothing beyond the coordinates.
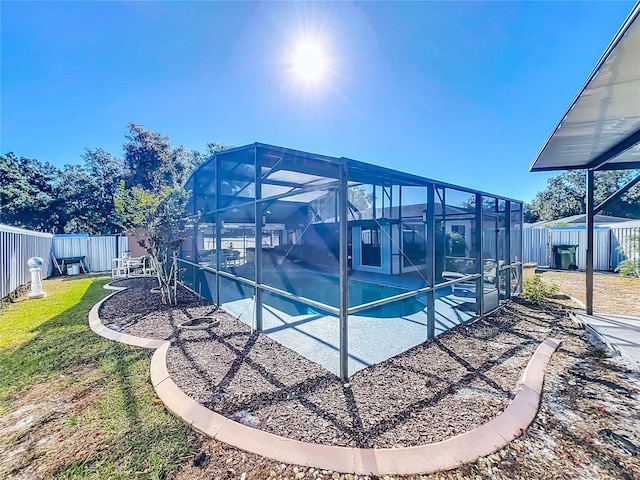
(16, 247)
(611, 246)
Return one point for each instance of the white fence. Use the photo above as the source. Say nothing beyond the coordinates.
(16, 247)
(99, 251)
(610, 246)
(621, 245)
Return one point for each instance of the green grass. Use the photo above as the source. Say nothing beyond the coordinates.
(47, 343)
(49, 336)
(19, 322)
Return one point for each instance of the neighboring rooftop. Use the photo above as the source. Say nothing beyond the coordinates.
(576, 220)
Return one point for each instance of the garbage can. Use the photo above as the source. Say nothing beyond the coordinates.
(565, 257)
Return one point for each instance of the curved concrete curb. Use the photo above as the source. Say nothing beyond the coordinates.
(96, 325)
(445, 455)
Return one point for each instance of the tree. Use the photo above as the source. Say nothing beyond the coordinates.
(81, 198)
(565, 195)
(106, 171)
(73, 201)
(151, 202)
(85, 193)
(27, 193)
(157, 220)
(527, 215)
(631, 266)
(360, 198)
(151, 162)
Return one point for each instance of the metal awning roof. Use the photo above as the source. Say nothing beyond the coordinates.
(601, 127)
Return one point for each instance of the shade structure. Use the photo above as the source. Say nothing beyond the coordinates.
(601, 128)
(346, 262)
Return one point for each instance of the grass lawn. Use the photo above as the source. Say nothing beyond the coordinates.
(74, 405)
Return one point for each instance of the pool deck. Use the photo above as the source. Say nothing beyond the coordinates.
(371, 340)
(316, 335)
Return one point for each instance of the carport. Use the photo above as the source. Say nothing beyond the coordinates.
(601, 128)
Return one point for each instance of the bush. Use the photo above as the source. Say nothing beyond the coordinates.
(537, 291)
(631, 266)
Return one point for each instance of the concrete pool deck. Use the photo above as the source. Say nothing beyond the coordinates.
(372, 339)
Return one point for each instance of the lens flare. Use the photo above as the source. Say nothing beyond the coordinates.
(309, 62)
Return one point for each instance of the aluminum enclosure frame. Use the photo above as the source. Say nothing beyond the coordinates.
(246, 175)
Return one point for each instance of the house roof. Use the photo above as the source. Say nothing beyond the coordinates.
(579, 220)
(627, 224)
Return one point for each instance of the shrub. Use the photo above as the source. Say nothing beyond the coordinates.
(538, 291)
(631, 266)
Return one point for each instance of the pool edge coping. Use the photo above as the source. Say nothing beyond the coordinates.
(428, 458)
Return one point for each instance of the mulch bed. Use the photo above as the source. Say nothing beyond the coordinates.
(587, 425)
(139, 312)
(432, 392)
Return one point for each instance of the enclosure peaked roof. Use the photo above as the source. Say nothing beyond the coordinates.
(323, 165)
(601, 127)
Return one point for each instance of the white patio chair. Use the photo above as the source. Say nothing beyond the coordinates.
(135, 266)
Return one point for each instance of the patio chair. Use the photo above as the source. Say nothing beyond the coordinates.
(120, 270)
(233, 257)
(135, 266)
(148, 269)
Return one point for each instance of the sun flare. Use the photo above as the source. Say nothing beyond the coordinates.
(309, 61)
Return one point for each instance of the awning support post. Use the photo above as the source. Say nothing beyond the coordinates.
(590, 209)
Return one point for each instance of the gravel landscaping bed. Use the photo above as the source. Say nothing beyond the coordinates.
(139, 312)
(432, 392)
(586, 427)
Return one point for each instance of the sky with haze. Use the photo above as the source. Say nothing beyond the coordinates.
(463, 92)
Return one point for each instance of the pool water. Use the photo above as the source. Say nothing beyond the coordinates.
(326, 289)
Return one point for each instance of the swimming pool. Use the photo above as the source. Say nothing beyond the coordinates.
(326, 289)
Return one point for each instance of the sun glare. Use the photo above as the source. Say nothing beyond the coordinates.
(309, 62)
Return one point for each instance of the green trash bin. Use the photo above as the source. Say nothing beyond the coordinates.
(565, 257)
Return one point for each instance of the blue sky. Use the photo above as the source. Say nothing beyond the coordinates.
(464, 92)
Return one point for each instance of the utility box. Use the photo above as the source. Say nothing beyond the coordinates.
(565, 257)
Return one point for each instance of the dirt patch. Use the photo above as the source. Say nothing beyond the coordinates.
(37, 436)
(611, 292)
